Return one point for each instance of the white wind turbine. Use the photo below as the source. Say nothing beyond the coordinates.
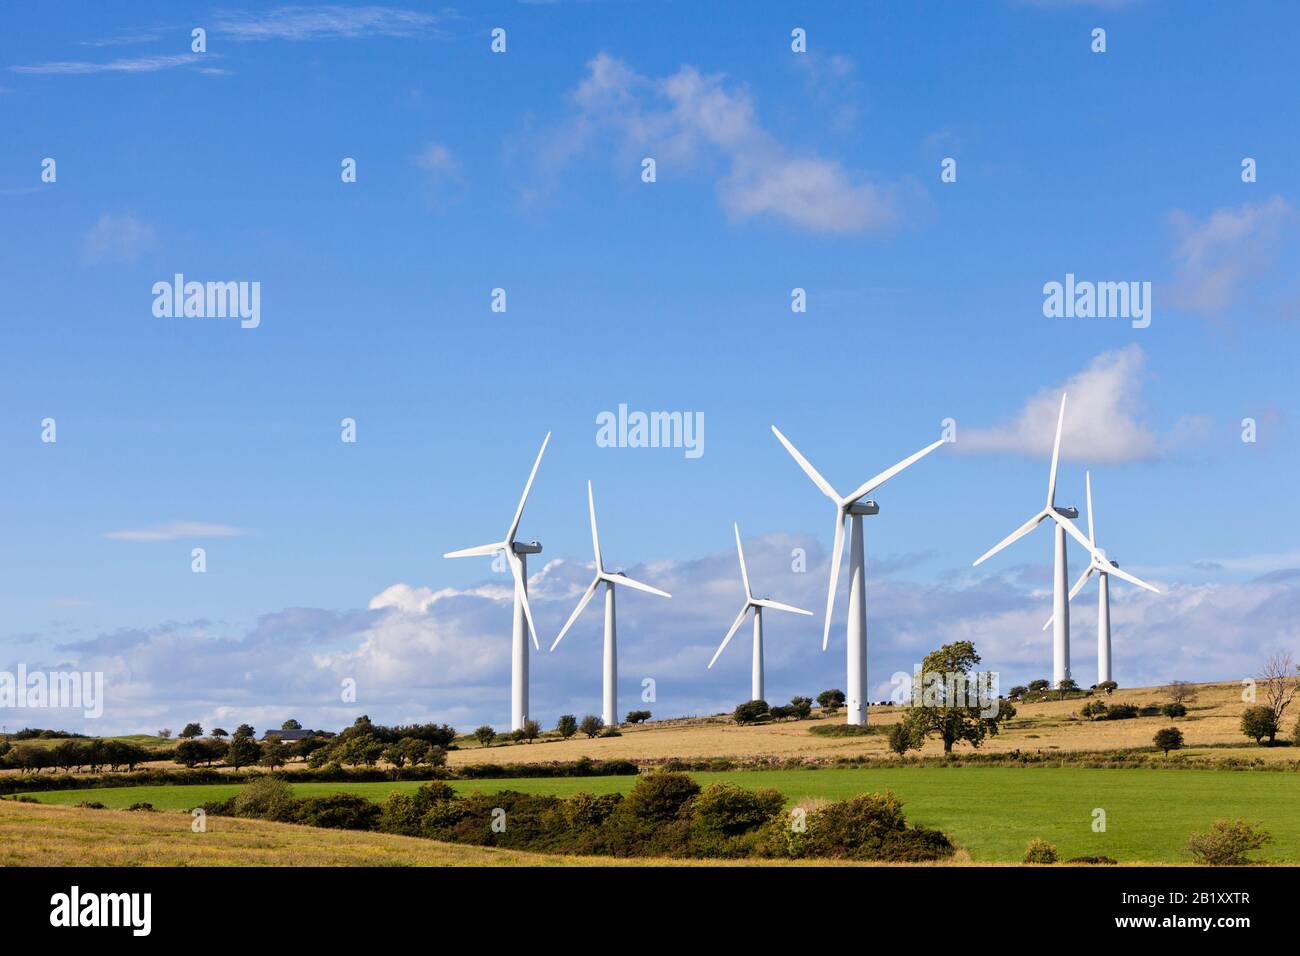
(855, 506)
(517, 555)
(757, 605)
(609, 579)
(1104, 568)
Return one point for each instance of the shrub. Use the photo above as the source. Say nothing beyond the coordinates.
(591, 725)
(585, 811)
(1258, 723)
(902, 738)
(146, 807)
(403, 812)
(1169, 738)
(723, 809)
(1039, 851)
(611, 732)
(660, 796)
(485, 735)
(1101, 860)
(1121, 711)
(1094, 710)
(638, 716)
(338, 811)
(1107, 687)
(831, 700)
(567, 726)
(1227, 843)
(750, 711)
(801, 707)
(847, 730)
(1174, 710)
(91, 805)
(266, 797)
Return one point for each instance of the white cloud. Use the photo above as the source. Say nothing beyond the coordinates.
(1103, 418)
(116, 238)
(687, 118)
(139, 64)
(328, 22)
(1216, 258)
(173, 530)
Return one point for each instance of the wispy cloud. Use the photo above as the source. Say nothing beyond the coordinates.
(116, 238)
(330, 22)
(124, 39)
(173, 530)
(1103, 423)
(139, 64)
(1217, 257)
(680, 118)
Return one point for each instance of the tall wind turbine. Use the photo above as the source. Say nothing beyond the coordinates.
(609, 579)
(1104, 568)
(757, 605)
(517, 555)
(1064, 525)
(855, 506)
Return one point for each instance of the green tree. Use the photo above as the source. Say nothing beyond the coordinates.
(1108, 687)
(1258, 723)
(244, 730)
(568, 725)
(274, 754)
(190, 731)
(903, 737)
(949, 706)
(531, 730)
(1038, 686)
(190, 752)
(638, 716)
(485, 735)
(220, 732)
(1169, 738)
(591, 725)
(831, 700)
(801, 707)
(751, 711)
(1069, 685)
(242, 752)
(291, 724)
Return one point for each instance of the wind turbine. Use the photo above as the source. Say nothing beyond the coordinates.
(1064, 525)
(1104, 568)
(517, 555)
(855, 506)
(610, 579)
(757, 605)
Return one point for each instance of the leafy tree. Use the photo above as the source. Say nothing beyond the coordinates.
(903, 737)
(1174, 710)
(363, 749)
(1038, 686)
(1108, 687)
(274, 754)
(1295, 733)
(304, 747)
(220, 732)
(751, 711)
(1169, 738)
(291, 724)
(531, 730)
(568, 725)
(946, 708)
(801, 707)
(165, 733)
(591, 725)
(191, 731)
(1017, 692)
(242, 751)
(1066, 686)
(190, 753)
(485, 735)
(1258, 723)
(244, 730)
(638, 716)
(831, 700)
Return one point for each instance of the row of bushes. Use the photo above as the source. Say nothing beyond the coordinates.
(1226, 843)
(665, 814)
(1100, 710)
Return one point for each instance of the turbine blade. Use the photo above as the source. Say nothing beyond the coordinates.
(808, 469)
(586, 599)
(1078, 586)
(1076, 534)
(624, 579)
(519, 512)
(837, 552)
(744, 574)
(764, 602)
(595, 539)
(1087, 482)
(478, 551)
(1056, 456)
(521, 589)
(1131, 579)
(870, 486)
(740, 619)
(1020, 532)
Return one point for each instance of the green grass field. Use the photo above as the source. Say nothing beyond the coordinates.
(991, 811)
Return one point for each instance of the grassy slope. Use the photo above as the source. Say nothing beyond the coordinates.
(991, 811)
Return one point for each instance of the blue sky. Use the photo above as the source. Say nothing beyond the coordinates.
(521, 170)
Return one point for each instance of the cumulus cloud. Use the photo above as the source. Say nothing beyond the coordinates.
(173, 530)
(1216, 258)
(1103, 418)
(116, 239)
(688, 118)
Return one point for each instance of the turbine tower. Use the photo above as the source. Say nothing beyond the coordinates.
(517, 555)
(1104, 568)
(1064, 525)
(854, 506)
(757, 605)
(610, 579)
